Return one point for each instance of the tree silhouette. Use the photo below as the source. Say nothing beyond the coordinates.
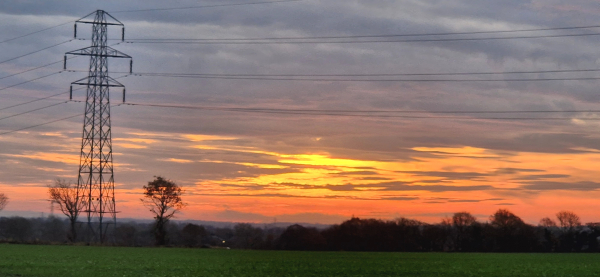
(246, 236)
(163, 198)
(192, 235)
(461, 222)
(65, 195)
(510, 233)
(568, 220)
(3, 201)
(297, 237)
(547, 222)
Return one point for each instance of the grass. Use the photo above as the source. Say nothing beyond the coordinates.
(43, 260)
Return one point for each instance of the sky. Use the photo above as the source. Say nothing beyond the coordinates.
(390, 154)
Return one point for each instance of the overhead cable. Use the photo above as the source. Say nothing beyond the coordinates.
(348, 113)
(37, 51)
(39, 99)
(372, 36)
(31, 69)
(205, 6)
(29, 81)
(38, 125)
(355, 74)
(299, 78)
(35, 100)
(39, 31)
(34, 110)
(242, 42)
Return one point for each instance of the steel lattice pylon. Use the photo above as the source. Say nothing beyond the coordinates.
(95, 185)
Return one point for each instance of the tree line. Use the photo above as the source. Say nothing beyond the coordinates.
(502, 232)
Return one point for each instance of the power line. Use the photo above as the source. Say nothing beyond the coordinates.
(35, 100)
(31, 69)
(46, 123)
(144, 10)
(241, 42)
(37, 51)
(375, 80)
(371, 36)
(34, 110)
(38, 99)
(38, 125)
(206, 6)
(29, 81)
(357, 75)
(32, 33)
(35, 68)
(340, 114)
(349, 113)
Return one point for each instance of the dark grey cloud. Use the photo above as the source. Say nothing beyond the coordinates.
(375, 179)
(464, 201)
(354, 173)
(390, 186)
(549, 186)
(541, 177)
(284, 195)
(398, 186)
(509, 170)
(400, 198)
(449, 175)
(247, 187)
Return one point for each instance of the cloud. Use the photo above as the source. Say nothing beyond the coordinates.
(541, 177)
(352, 173)
(360, 158)
(464, 201)
(509, 170)
(400, 198)
(390, 186)
(549, 186)
(237, 216)
(398, 186)
(450, 175)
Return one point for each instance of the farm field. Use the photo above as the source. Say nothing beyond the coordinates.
(35, 260)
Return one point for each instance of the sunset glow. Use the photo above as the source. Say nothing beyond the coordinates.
(266, 114)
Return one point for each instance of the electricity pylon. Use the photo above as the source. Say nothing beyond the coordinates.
(95, 184)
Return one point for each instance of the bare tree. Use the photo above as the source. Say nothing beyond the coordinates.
(547, 222)
(568, 220)
(65, 195)
(461, 221)
(3, 201)
(504, 219)
(163, 198)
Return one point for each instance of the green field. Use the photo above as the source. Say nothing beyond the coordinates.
(34, 260)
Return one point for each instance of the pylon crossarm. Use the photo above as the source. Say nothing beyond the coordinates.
(86, 19)
(101, 23)
(115, 82)
(81, 19)
(119, 22)
(110, 53)
(90, 80)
